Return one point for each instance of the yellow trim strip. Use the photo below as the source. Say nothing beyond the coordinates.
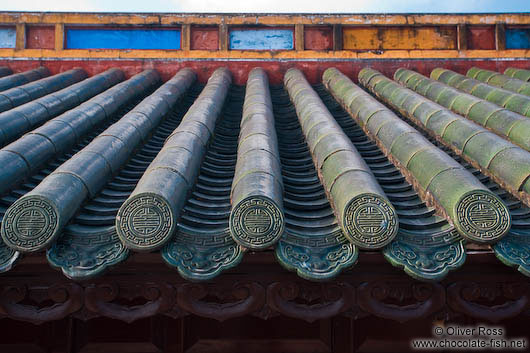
(242, 54)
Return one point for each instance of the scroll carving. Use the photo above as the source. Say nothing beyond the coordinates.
(321, 301)
(471, 298)
(401, 301)
(15, 302)
(237, 300)
(103, 299)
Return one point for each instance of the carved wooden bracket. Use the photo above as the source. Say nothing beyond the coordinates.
(471, 298)
(401, 301)
(67, 298)
(103, 299)
(248, 298)
(332, 299)
(391, 298)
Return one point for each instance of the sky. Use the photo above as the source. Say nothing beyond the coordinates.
(270, 6)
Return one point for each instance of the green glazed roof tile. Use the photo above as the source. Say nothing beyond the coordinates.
(485, 76)
(406, 146)
(337, 169)
(515, 85)
(502, 121)
(437, 163)
(439, 121)
(463, 104)
(425, 111)
(497, 119)
(377, 121)
(520, 74)
(291, 176)
(512, 165)
(434, 92)
(498, 97)
(438, 72)
(423, 86)
(473, 72)
(389, 132)
(482, 147)
(458, 210)
(518, 104)
(459, 132)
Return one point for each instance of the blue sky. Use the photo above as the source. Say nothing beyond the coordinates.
(237, 6)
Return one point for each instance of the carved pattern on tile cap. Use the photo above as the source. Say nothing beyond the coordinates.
(199, 258)
(256, 222)
(30, 224)
(370, 221)
(319, 263)
(145, 222)
(427, 256)
(482, 217)
(86, 254)
(8, 257)
(514, 250)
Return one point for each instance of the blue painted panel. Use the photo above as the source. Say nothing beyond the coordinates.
(83, 38)
(518, 38)
(8, 37)
(261, 39)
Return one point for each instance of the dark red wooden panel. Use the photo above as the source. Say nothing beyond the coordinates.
(204, 38)
(318, 38)
(481, 37)
(40, 37)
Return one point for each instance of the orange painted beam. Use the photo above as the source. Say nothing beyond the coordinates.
(261, 19)
(242, 54)
(395, 37)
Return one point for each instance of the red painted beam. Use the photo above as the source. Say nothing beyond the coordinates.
(275, 69)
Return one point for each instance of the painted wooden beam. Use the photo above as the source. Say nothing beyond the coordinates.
(185, 39)
(299, 36)
(337, 37)
(59, 36)
(21, 36)
(399, 37)
(500, 36)
(262, 19)
(223, 37)
(462, 37)
(84, 54)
